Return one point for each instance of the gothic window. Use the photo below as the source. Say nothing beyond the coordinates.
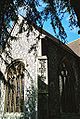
(67, 91)
(14, 92)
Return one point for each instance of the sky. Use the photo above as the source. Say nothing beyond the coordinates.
(71, 34)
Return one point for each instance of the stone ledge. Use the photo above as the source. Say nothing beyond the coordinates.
(12, 116)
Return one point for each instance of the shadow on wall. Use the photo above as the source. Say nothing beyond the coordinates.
(67, 88)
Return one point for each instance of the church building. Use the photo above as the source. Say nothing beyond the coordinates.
(41, 79)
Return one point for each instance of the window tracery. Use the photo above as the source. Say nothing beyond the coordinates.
(67, 91)
(14, 95)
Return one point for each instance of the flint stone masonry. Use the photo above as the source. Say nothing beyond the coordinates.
(20, 50)
(53, 52)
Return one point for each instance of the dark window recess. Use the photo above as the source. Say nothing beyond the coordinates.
(67, 86)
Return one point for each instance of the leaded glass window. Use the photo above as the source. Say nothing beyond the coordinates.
(14, 90)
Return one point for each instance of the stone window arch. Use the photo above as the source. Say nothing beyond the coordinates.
(67, 88)
(14, 90)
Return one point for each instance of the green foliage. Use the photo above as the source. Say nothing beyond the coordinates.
(30, 103)
(34, 12)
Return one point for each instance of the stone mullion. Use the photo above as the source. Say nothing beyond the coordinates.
(62, 77)
(6, 100)
(10, 99)
(22, 95)
(5, 106)
(62, 81)
(8, 106)
(15, 95)
(13, 101)
(20, 91)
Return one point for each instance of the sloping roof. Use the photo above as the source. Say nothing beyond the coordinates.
(55, 40)
(75, 46)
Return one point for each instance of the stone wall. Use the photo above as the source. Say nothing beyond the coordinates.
(21, 49)
(56, 52)
(47, 102)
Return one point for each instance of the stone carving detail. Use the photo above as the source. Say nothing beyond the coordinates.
(14, 96)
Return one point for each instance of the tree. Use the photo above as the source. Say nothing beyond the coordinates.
(35, 12)
(38, 14)
(53, 9)
(75, 6)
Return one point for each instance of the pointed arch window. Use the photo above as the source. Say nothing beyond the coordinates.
(67, 88)
(14, 95)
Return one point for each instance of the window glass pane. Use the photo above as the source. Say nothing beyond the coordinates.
(14, 96)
